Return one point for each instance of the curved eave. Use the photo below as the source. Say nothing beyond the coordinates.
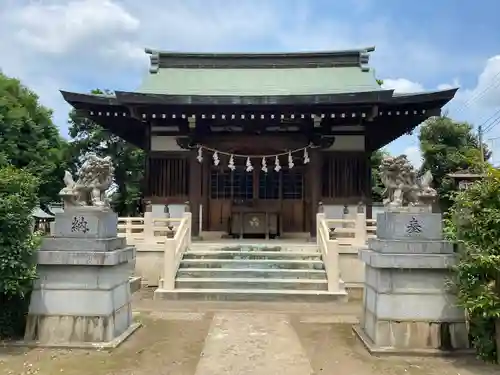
(106, 100)
(110, 114)
(387, 127)
(424, 97)
(378, 96)
(381, 97)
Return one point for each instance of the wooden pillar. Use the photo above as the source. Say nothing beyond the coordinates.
(368, 200)
(314, 181)
(147, 156)
(195, 185)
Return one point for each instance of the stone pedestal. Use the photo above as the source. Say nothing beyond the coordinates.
(82, 297)
(406, 304)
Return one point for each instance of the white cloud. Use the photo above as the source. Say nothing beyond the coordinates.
(84, 44)
(402, 85)
(487, 90)
(414, 156)
(486, 93)
(63, 28)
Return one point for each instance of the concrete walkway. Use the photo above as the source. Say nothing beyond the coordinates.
(257, 344)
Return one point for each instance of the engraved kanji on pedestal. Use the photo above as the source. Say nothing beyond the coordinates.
(79, 224)
(413, 226)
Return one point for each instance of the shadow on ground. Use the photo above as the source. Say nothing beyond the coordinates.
(161, 346)
(333, 349)
(173, 338)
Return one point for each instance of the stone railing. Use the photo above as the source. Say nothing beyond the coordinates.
(173, 252)
(330, 253)
(351, 232)
(147, 230)
(339, 241)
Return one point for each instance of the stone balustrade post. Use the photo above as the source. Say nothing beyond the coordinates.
(345, 216)
(168, 280)
(189, 218)
(332, 264)
(320, 216)
(128, 228)
(360, 230)
(321, 208)
(148, 222)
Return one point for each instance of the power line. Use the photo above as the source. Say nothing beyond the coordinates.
(495, 82)
(495, 119)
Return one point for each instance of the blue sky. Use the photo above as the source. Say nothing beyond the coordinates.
(421, 45)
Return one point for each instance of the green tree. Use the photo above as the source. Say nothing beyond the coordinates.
(29, 139)
(475, 224)
(448, 146)
(18, 198)
(377, 186)
(128, 160)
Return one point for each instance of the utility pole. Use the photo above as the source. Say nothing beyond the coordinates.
(480, 136)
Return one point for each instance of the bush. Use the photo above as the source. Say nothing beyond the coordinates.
(18, 198)
(475, 225)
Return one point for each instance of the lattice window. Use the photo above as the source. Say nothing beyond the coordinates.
(220, 184)
(242, 184)
(168, 177)
(269, 185)
(225, 184)
(292, 184)
(344, 175)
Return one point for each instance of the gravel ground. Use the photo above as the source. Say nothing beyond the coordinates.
(184, 338)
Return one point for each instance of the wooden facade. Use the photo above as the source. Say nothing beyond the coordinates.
(252, 111)
(289, 197)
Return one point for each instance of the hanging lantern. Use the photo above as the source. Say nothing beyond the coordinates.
(264, 165)
(200, 155)
(231, 165)
(216, 158)
(290, 160)
(249, 165)
(277, 166)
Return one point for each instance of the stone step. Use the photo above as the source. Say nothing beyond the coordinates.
(281, 246)
(256, 263)
(250, 283)
(250, 295)
(251, 255)
(251, 273)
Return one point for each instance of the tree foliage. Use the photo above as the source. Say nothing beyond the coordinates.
(18, 198)
(448, 146)
(475, 225)
(377, 186)
(128, 160)
(29, 139)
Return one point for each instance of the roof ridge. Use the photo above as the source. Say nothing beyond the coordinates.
(255, 60)
(150, 51)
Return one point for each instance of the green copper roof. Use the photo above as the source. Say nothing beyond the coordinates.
(259, 74)
(295, 81)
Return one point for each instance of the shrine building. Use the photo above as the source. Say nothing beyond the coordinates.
(252, 138)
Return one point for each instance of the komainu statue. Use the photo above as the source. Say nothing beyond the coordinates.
(94, 177)
(402, 187)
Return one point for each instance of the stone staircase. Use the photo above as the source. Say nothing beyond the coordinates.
(252, 272)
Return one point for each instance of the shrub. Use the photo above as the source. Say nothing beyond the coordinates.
(18, 197)
(475, 225)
